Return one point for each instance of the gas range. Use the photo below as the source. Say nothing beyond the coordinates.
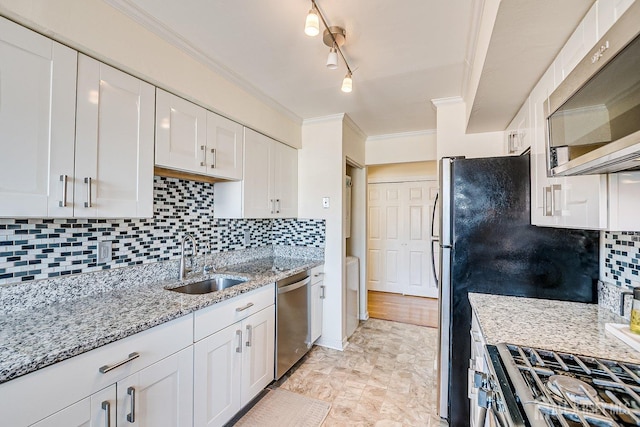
(535, 387)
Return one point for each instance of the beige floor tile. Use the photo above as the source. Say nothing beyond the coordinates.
(385, 377)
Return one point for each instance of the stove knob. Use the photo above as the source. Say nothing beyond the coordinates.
(480, 380)
(485, 398)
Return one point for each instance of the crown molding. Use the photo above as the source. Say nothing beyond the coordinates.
(322, 119)
(401, 135)
(354, 126)
(439, 102)
(164, 32)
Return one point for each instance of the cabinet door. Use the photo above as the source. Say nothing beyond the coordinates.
(181, 133)
(225, 143)
(258, 355)
(259, 194)
(159, 395)
(98, 410)
(317, 294)
(624, 203)
(286, 181)
(114, 143)
(217, 363)
(37, 122)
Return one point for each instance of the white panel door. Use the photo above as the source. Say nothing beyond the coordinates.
(259, 194)
(225, 143)
(420, 201)
(181, 133)
(114, 143)
(399, 244)
(217, 370)
(160, 395)
(258, 353)
(285, 170)
(98, 410)
(37, 123)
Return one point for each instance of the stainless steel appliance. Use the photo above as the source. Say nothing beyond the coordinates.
(593, 123)
(488, 245)
(541, 388)
(292, 321)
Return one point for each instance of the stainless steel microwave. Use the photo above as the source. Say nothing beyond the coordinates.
(593, 117)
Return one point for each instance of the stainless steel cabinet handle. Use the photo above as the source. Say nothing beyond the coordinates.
(204, 162)
(556, 188)
(239, 335)
(318, 274)
(249, 330)
(106, 368)
(249, 305)
(547, 201)
(87, 181)
(322, 289)
(106, 406)
(63, 202)
(131, 416)
(273, 206)
(278, 206)
(214, 158)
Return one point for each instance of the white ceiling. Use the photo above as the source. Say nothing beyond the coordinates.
(403, 53)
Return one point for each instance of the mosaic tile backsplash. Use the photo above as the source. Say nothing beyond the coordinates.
(40, 248)
(622, 258)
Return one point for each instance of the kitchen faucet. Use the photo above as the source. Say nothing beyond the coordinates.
(183, 268)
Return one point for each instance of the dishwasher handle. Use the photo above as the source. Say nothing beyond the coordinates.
(293, 286)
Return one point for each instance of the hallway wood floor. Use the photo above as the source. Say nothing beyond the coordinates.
(403, 308)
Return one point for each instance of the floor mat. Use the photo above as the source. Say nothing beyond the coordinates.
(282, 408)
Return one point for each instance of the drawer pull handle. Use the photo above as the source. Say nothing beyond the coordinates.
(63, 202)
(106, 368)
(318, 274)
(322, 295)
(131, 417)
(87, 181)
(249, 333)
(106, 406)
(249, 305)
(239, 335)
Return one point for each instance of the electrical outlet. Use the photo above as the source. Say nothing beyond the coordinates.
(325, 202)
(104, 252)
(247, 237)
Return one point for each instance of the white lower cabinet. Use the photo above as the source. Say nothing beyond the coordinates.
(232, 366)
(317, 298)
(97, 410)
(160, 395)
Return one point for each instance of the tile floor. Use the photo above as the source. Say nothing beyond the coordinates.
(385, 377)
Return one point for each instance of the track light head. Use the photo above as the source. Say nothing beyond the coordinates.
(312, 23)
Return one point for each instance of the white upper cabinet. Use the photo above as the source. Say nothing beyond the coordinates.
(608, 13)
(624, 203)
(191, 139)
(225, 144)
(114, 143)
(269, 188)
(573, 201)
(37, 122)
(181, 133)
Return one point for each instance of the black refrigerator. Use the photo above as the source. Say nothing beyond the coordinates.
(488, 245)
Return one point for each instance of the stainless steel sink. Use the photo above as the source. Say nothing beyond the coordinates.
(209, 285)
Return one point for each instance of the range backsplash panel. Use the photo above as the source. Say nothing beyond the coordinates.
(40, 248)
(622, 258)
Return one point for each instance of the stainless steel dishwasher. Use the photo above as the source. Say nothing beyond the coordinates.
(292, 321)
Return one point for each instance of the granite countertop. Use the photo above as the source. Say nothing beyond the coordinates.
(561, 326)
(35, 338)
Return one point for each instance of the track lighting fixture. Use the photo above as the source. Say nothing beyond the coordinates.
(312, 24)
(332, 59)
(347, 83)
(334, 37)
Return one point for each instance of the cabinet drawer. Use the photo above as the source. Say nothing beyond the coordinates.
(221, 315)
(32, 397)
(317, 274)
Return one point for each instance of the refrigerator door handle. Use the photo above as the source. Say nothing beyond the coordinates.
(434, 239)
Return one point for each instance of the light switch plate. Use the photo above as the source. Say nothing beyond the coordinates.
(105, 252)
(325, 202)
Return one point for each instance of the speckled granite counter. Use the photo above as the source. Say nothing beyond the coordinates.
(37, 337)
(554, 325)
